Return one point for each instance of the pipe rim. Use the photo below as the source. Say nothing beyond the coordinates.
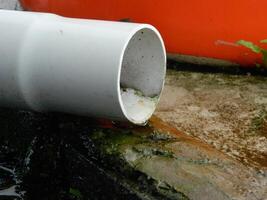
(163, 51)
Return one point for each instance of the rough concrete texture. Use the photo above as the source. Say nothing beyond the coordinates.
(227, 111)
(182, 164)
(68, 157)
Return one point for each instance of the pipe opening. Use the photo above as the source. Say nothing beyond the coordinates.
(142, 75)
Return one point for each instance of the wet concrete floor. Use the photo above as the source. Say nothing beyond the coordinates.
(207, 140)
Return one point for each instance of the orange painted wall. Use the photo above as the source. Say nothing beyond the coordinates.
(194, 27)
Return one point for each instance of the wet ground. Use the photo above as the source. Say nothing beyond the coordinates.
(66, 157)
(206, 141)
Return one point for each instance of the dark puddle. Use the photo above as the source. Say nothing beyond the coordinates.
(56, 156)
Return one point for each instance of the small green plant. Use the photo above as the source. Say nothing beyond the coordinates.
(256, 49)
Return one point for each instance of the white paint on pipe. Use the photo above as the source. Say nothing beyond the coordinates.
(78, 66)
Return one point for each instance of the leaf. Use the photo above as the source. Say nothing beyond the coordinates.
(258, 65)
(264, 57)
(250, 45)
(263, 41)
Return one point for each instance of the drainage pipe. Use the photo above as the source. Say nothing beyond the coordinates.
(50, 63)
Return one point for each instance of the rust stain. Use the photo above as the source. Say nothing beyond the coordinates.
(259, 160)
(158, 124)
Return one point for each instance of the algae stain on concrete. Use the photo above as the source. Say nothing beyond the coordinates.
(135, 146)
(180, 164)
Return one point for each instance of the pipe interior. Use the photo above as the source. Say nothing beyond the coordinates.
(142, 75)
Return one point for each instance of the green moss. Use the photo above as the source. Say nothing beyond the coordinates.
(159, 136)
(147, 151)
(112, 141)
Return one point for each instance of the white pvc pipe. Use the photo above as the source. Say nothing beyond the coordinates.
(78, 66)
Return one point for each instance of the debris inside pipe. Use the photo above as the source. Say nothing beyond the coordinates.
(137, 101)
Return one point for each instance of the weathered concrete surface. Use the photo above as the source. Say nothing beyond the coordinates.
(185, 165)
(48, 156)
(67, 157)
(227, 111)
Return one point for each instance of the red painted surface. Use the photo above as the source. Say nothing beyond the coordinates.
(194, 27)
